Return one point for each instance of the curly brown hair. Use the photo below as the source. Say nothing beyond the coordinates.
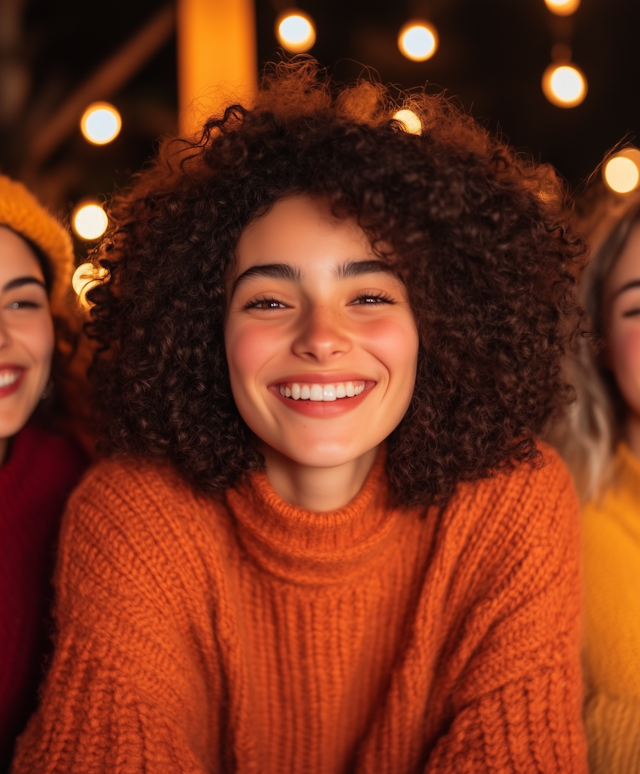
(478, 234)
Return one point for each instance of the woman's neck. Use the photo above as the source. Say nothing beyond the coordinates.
(4, 445)
(317, 489)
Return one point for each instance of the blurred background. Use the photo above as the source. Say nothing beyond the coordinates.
(154, 62)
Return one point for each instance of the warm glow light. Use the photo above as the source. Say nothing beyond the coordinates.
(295, 31)
(418, 41)
(409, 120)
(622, 171)
(85, 277)
(90, 221)
(562, 7)
(564, 85)
(100, 123)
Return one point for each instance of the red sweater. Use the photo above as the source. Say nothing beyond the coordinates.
(35, 483)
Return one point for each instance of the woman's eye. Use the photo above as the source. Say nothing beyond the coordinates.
(631, 313)
(24, 305)
(371, 299)
(266, 303)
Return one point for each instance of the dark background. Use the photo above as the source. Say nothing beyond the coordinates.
(491, 58)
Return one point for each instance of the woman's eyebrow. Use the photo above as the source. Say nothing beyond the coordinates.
(627, 286)
(272, 270)
(18, 282)
(356, 268)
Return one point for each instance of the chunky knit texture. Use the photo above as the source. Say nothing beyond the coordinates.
(612, 620)
(35, 482)
(252, 636)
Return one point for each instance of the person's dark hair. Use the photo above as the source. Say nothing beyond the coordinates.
(477, 233)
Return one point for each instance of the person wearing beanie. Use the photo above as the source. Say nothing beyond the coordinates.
(39, 465)
(601, 444)
(325, 536)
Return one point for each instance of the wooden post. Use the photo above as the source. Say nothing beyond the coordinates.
(217, 57)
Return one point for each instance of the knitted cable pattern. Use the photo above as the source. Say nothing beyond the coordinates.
(252, 636)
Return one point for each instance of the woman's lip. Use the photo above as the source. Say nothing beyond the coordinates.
(11, 388)
(324, 409)
(322, 378)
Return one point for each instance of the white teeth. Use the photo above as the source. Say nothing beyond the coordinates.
(316, 392)
(8, 377)
(320, 392)
(329, 392)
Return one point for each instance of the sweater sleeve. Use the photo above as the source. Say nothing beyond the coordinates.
(124, 691)
(517, 701)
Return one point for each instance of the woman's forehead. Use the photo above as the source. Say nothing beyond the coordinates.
(302, 233)
(16, 258)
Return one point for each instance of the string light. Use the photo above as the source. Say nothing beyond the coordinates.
(409, 120)
(295, 31)
(418, 40)
(89, 221)
(100, 123)
(564, 85)
(562, 7)
(622, 171)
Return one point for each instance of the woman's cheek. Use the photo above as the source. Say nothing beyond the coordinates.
(394, 342)
(626, 365)
(249, 347)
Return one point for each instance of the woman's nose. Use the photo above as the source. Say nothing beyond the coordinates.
(323, 336)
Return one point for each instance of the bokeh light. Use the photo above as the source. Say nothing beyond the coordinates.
(564, 85)
(562, 7)
(100, 123)
(409, 120)
(622, 171)
(86, 277)
(295, 31)
(89, 221)
(418, 41)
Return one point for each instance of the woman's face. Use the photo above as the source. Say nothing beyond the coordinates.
(26, 333)
(321, 341)
(622, 294)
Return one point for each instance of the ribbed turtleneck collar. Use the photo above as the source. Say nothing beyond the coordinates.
(308, 547)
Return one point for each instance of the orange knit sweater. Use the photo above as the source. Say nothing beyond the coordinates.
(251, 636)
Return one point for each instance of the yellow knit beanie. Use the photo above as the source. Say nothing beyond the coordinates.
(21, 211)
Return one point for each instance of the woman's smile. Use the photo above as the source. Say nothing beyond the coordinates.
(315, 396)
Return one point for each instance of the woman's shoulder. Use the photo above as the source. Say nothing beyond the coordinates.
(545, 476)
(48, 460)
(131, 513)
(138, 494)
(533, 500)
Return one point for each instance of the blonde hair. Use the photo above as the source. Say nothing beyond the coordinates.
(594, 423)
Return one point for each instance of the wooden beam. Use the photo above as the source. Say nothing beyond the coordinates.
(217, 57)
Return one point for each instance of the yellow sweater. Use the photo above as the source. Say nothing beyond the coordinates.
(612, 621)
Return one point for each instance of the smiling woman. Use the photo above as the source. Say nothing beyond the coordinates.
(39, 465)
(602, 447)
(326, 537)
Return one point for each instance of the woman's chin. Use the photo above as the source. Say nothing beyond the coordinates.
(318, 453)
